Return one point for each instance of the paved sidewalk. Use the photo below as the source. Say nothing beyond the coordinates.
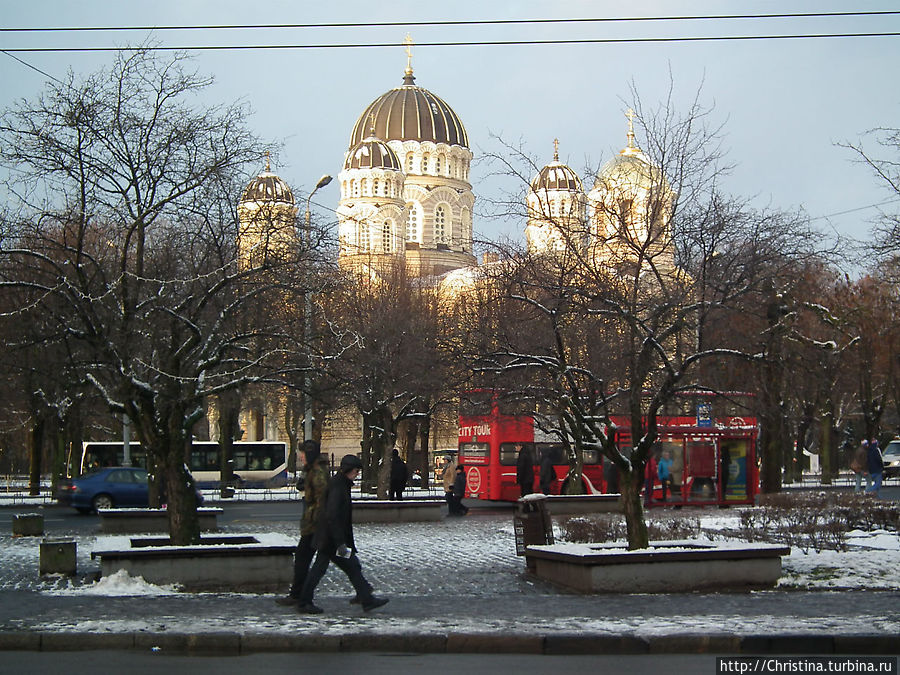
(455, 586)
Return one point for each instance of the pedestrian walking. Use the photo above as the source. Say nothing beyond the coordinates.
(315, 483)
(333, 541)
(457, 508)
(547, 475)
(859, 466)
(447, 478)
(524, 469)
(664, 472)
(875, 465)
(399, 475)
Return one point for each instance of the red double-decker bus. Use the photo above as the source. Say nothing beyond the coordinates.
(713, 451)
(493, 431)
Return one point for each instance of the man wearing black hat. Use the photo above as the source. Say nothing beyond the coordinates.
(315, 482)
(333, 541)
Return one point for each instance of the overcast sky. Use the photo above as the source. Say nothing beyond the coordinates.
(785, 103)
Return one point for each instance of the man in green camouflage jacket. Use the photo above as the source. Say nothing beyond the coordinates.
(316, 481)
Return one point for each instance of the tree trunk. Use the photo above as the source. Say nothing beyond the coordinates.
(229, 431)
(383, 444)
(35, 448)
(417, 437)
(825, 450)
(184, 525)
(369, 479)
(630, 483)
(573, 483)
(771, 443)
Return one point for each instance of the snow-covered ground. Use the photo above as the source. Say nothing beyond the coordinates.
(462, 574)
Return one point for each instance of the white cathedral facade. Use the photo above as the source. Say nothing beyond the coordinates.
(405, 191)
(405, 198)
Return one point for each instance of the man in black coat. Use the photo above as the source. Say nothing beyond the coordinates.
(333, 542)
(525, 469)
(399, 475)
(548, 474)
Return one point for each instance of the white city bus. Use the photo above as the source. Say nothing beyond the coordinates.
(254, 463)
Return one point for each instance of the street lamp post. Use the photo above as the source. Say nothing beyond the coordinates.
(307, 320)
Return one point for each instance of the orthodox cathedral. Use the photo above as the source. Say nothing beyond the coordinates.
(405, 191)
(405, 198)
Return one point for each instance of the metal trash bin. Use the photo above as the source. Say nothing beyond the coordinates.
(532, 524)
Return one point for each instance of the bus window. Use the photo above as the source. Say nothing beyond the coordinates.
(556, 450)
(509, 452)
(590, 455)
(241, 459)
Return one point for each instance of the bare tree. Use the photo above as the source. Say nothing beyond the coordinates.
(667, 256)
(395, 363)
(887, 170)
(123, 180)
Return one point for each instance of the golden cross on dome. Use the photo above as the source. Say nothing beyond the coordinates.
(555, 149)
(409, 43)
(371, 124)
(268, 166)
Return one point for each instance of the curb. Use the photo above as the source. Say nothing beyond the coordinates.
(234, 644)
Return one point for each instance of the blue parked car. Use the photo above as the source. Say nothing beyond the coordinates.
(109, 488)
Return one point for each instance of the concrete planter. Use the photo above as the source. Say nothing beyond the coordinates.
(28, 525)
(405, 511)
(665, 567)
(219, 563)
(125, 521)
(58, 556)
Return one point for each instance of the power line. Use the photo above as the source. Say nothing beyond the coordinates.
(35, 68)
(473, 22)
(458, 43)
(859, 208)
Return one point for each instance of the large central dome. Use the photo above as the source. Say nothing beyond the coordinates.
(410, 113)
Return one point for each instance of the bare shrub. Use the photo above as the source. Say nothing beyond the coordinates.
(606, 527)
(816, 520)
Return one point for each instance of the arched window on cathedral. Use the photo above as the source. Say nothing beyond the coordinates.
(437, 165)
(425, 160)
(354, 187)
(362, 238)
(387, 237)
(410, 162)
(413, 231)
(364, 187)
(376, 187)
(441, 235)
